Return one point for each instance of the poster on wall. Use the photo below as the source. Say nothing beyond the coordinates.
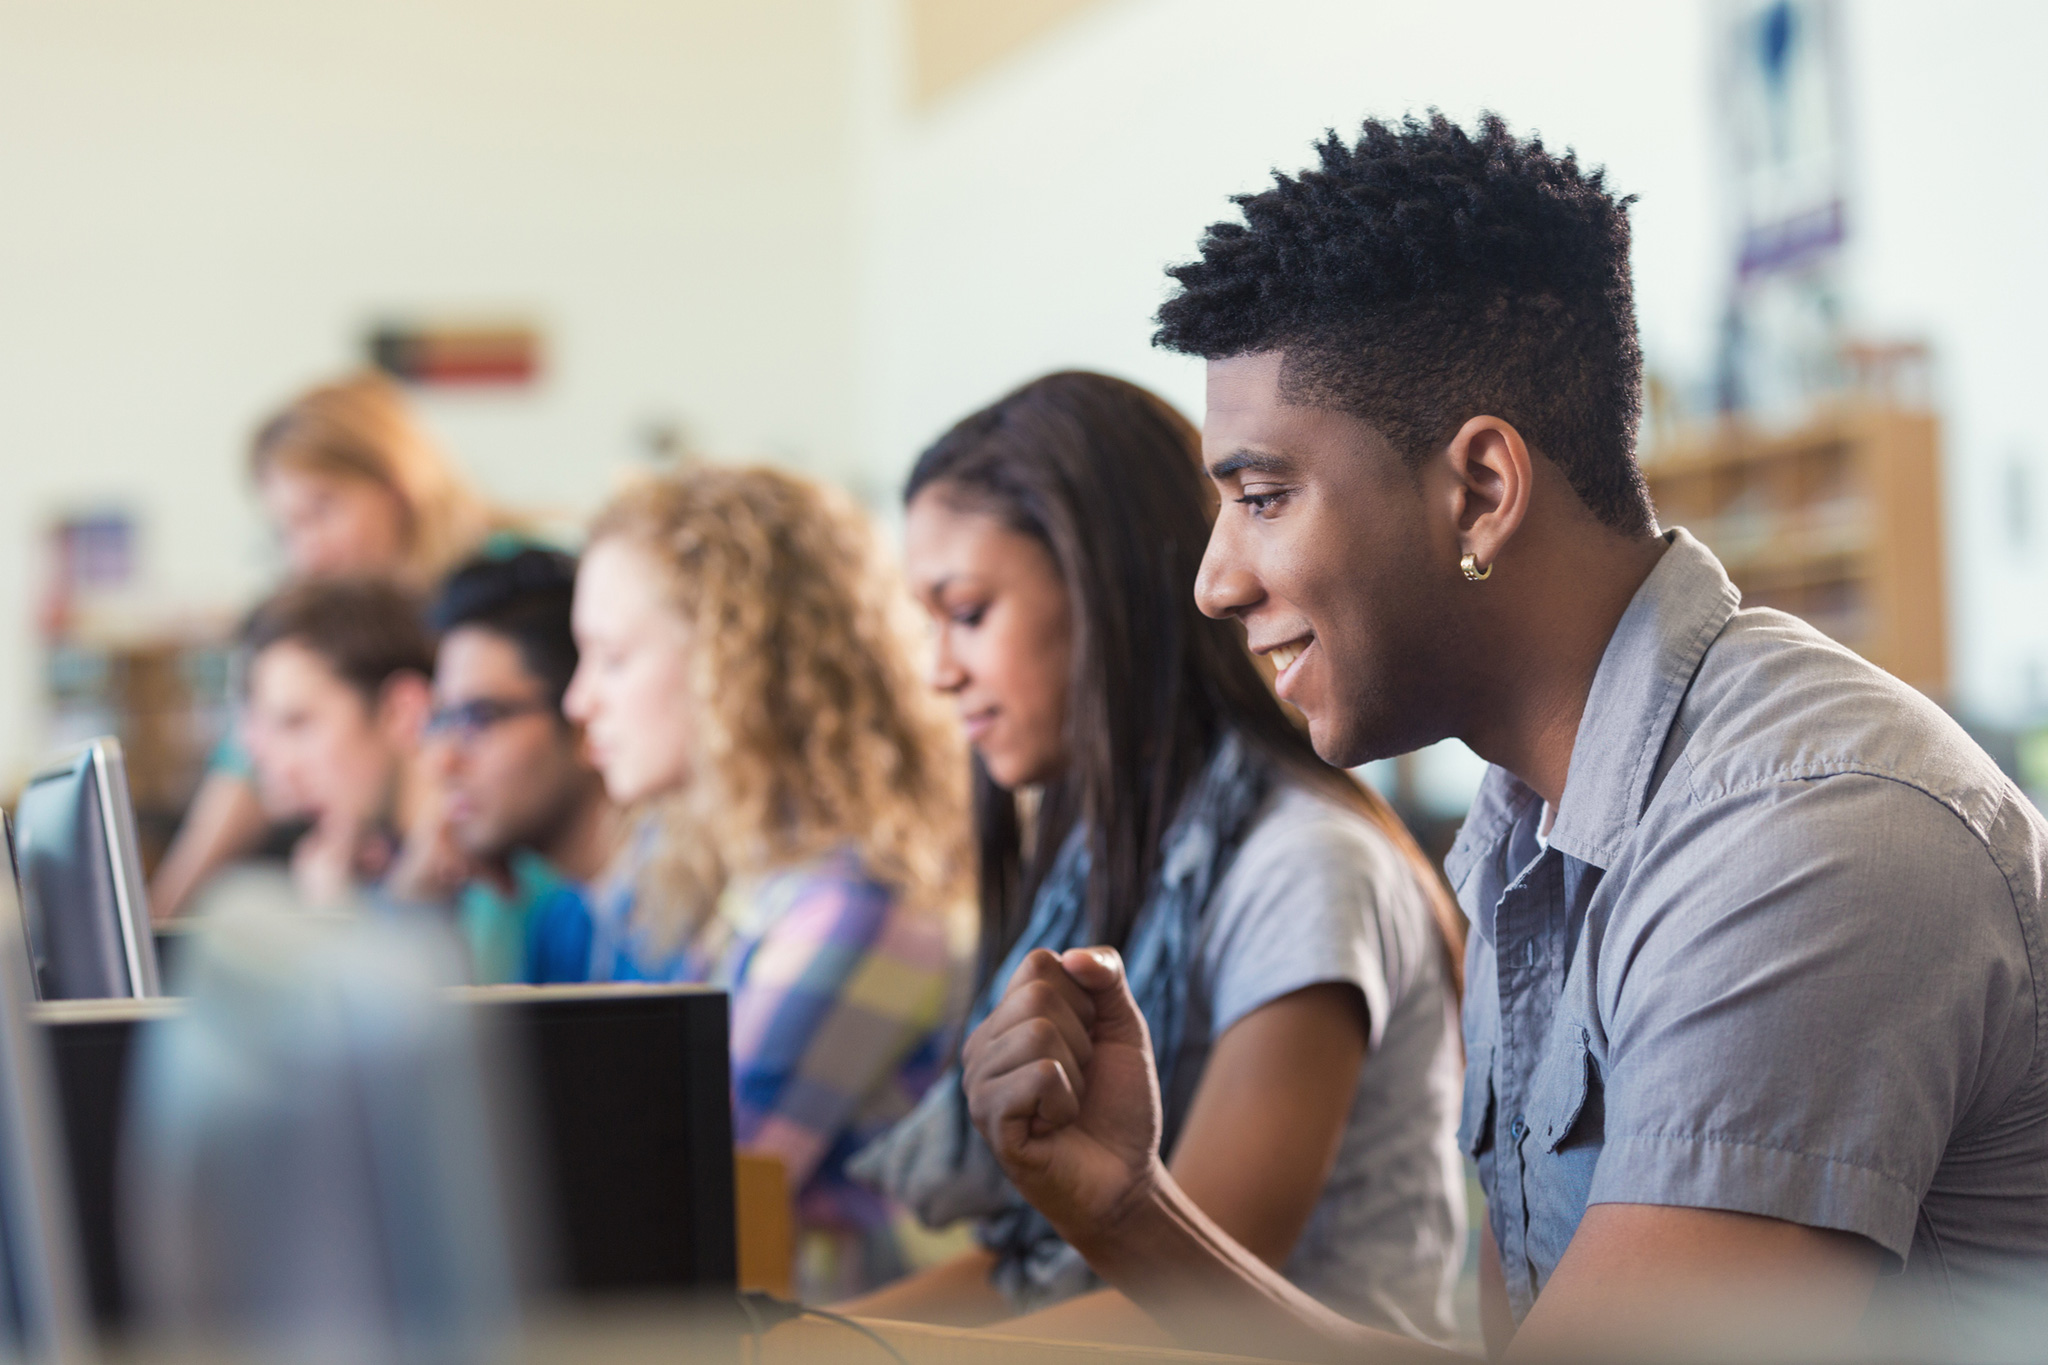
(458, 353)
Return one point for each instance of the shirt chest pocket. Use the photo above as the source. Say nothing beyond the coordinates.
(1566, 1099)
(1566, 1131)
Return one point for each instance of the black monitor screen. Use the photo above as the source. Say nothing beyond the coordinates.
(81, 883)
(40, 1286)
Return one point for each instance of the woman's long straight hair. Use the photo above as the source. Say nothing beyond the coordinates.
(1107, 477)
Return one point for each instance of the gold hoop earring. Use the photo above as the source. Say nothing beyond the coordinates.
(1469, 566)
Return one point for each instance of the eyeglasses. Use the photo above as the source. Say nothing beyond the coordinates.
(463, 723)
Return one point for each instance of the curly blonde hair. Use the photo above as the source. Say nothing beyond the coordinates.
(814, 730)
(361, 427)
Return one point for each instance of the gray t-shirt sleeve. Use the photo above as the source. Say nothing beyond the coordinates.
(1800, 1036)
(1316, 894)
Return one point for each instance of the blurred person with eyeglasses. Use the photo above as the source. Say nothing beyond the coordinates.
(516, 824)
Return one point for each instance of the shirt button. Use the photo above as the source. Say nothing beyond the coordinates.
(1518, 1129)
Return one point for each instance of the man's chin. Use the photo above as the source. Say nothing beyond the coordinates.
(1335, 745)
(480, 847)
(1353, 741)
(1332, 736)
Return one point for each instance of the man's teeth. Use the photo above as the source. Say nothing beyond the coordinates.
(1283, 656)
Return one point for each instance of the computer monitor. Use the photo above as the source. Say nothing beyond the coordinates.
(629, 1090)
(83, 903)
(41, 1280)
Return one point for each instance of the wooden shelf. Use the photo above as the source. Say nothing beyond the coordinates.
(1838, 522)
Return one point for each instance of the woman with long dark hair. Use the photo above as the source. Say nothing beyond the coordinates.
(1137, 784)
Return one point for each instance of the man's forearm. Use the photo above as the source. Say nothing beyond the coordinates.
(1172, 1260)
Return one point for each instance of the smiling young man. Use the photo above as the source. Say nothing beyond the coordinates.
(1754, 1042)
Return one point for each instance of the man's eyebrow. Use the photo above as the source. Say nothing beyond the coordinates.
(1244, 460)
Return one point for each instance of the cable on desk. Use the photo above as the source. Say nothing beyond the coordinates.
(765, 1313)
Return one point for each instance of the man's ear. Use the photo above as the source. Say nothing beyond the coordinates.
(403, 705)
(1491, 463)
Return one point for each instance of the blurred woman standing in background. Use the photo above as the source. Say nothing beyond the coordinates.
(744, 679)
(354, 487)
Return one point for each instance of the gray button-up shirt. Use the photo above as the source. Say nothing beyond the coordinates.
(1780, 956)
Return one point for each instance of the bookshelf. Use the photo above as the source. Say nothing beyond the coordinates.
(1837, 521)
(169, 700)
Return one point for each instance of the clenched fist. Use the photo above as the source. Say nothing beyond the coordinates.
(1060, 1081)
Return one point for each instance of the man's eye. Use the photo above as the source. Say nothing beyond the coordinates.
(1260, 502)
(969, 617)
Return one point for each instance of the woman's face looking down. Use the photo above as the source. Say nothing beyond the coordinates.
(332, 525)
(631, 692)
(1005, 633)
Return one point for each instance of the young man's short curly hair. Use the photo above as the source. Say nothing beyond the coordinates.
(1426, 275)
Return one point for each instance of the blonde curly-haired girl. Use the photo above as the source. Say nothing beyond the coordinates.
(745, 679)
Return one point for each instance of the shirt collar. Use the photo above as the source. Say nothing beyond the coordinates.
(1649, 663)
(1501, 801)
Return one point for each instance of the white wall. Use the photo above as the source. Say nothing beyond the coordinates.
(1024, 222)
(726, 214)
(203, 203)
(1027, 220)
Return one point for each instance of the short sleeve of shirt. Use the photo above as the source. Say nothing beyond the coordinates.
(230, 757)
(1316, 894)
(1803, 1036)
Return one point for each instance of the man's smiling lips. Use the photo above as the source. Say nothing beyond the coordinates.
(1285, 656)
(977, 723)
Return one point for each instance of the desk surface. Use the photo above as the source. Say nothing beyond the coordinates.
(642, 1339)
(810, 1341)
(170, 1006)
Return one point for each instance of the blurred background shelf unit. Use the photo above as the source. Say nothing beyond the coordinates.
(168, 698)
(1837, 521)
(120, 658)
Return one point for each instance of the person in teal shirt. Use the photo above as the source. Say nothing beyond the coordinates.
(533, 927)
(519, 824)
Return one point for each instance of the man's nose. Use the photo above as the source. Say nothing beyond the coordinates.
(1226, 585)
(444, 754)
